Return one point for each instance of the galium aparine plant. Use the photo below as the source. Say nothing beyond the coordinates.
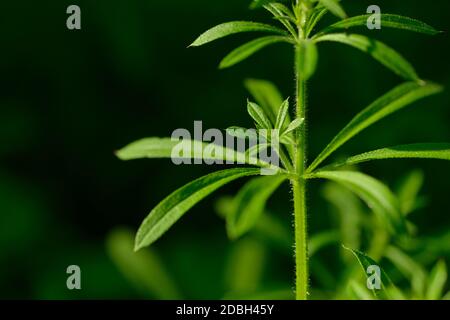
(297, 27)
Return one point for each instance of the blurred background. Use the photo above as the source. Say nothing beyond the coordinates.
(69, 99)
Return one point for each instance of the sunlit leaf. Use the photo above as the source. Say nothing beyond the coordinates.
(230, 28)
(164, 148)
(378, 50)
(387, 21)
(389, 103)
(258, 114)
(243, 133)
(440, 151)
(294, 125)
(243, 52)
(250, 203)
(437, 281)
(172, 208)
(315, 18)
(334, 7)
(377, 196)
(261, 3)
(282, 115)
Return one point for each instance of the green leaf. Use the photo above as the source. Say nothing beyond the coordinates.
(349, 210)
(243, 133)
(282, 115)
(261, 3)
(258, 114)
(307, 59)
(245, 267)
(386, 284)
(440, 151)
(172, 208)
(230, 28)
(315, 18)
(334, 7)
(267, 95)
(294, 125)
(250, 48)
(164, 148)
(437, 281)
(268, 227)
(391, 102)
(408, 192)
(409, 268)
(387, 21)
(250, 203)
(284, 15)
(377, 196)
(378, 50)
(144, 269)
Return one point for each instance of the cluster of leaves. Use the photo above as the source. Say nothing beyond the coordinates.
(404, 260)
(271, 112)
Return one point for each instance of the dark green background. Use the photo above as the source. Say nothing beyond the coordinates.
(68, 99)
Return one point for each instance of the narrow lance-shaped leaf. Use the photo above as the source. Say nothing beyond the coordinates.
(386, 284)
(307, 59)
(378, 50)
(413, 271)
(349, 209)
(230, 28)
(261, 3)
(387, 21)
(258, 114)
(267, 96)
(408, 191)
(184, 149)
(249, 204)
(437, 281)
(243, 52)
(315, 18)
(377, 196)
(172, 208)
(282, 115)
(391, 102)
(294, 125)
(334, 7)
(440, 151)
(283, 15)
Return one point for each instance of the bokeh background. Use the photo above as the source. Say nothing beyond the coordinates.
(69, 99)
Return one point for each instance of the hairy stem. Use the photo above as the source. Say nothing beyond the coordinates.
(299, 190)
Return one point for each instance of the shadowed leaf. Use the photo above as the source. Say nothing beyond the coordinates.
(230, 28)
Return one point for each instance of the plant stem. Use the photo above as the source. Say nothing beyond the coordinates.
(299, 190)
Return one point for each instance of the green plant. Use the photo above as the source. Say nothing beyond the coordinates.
(299, 22)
